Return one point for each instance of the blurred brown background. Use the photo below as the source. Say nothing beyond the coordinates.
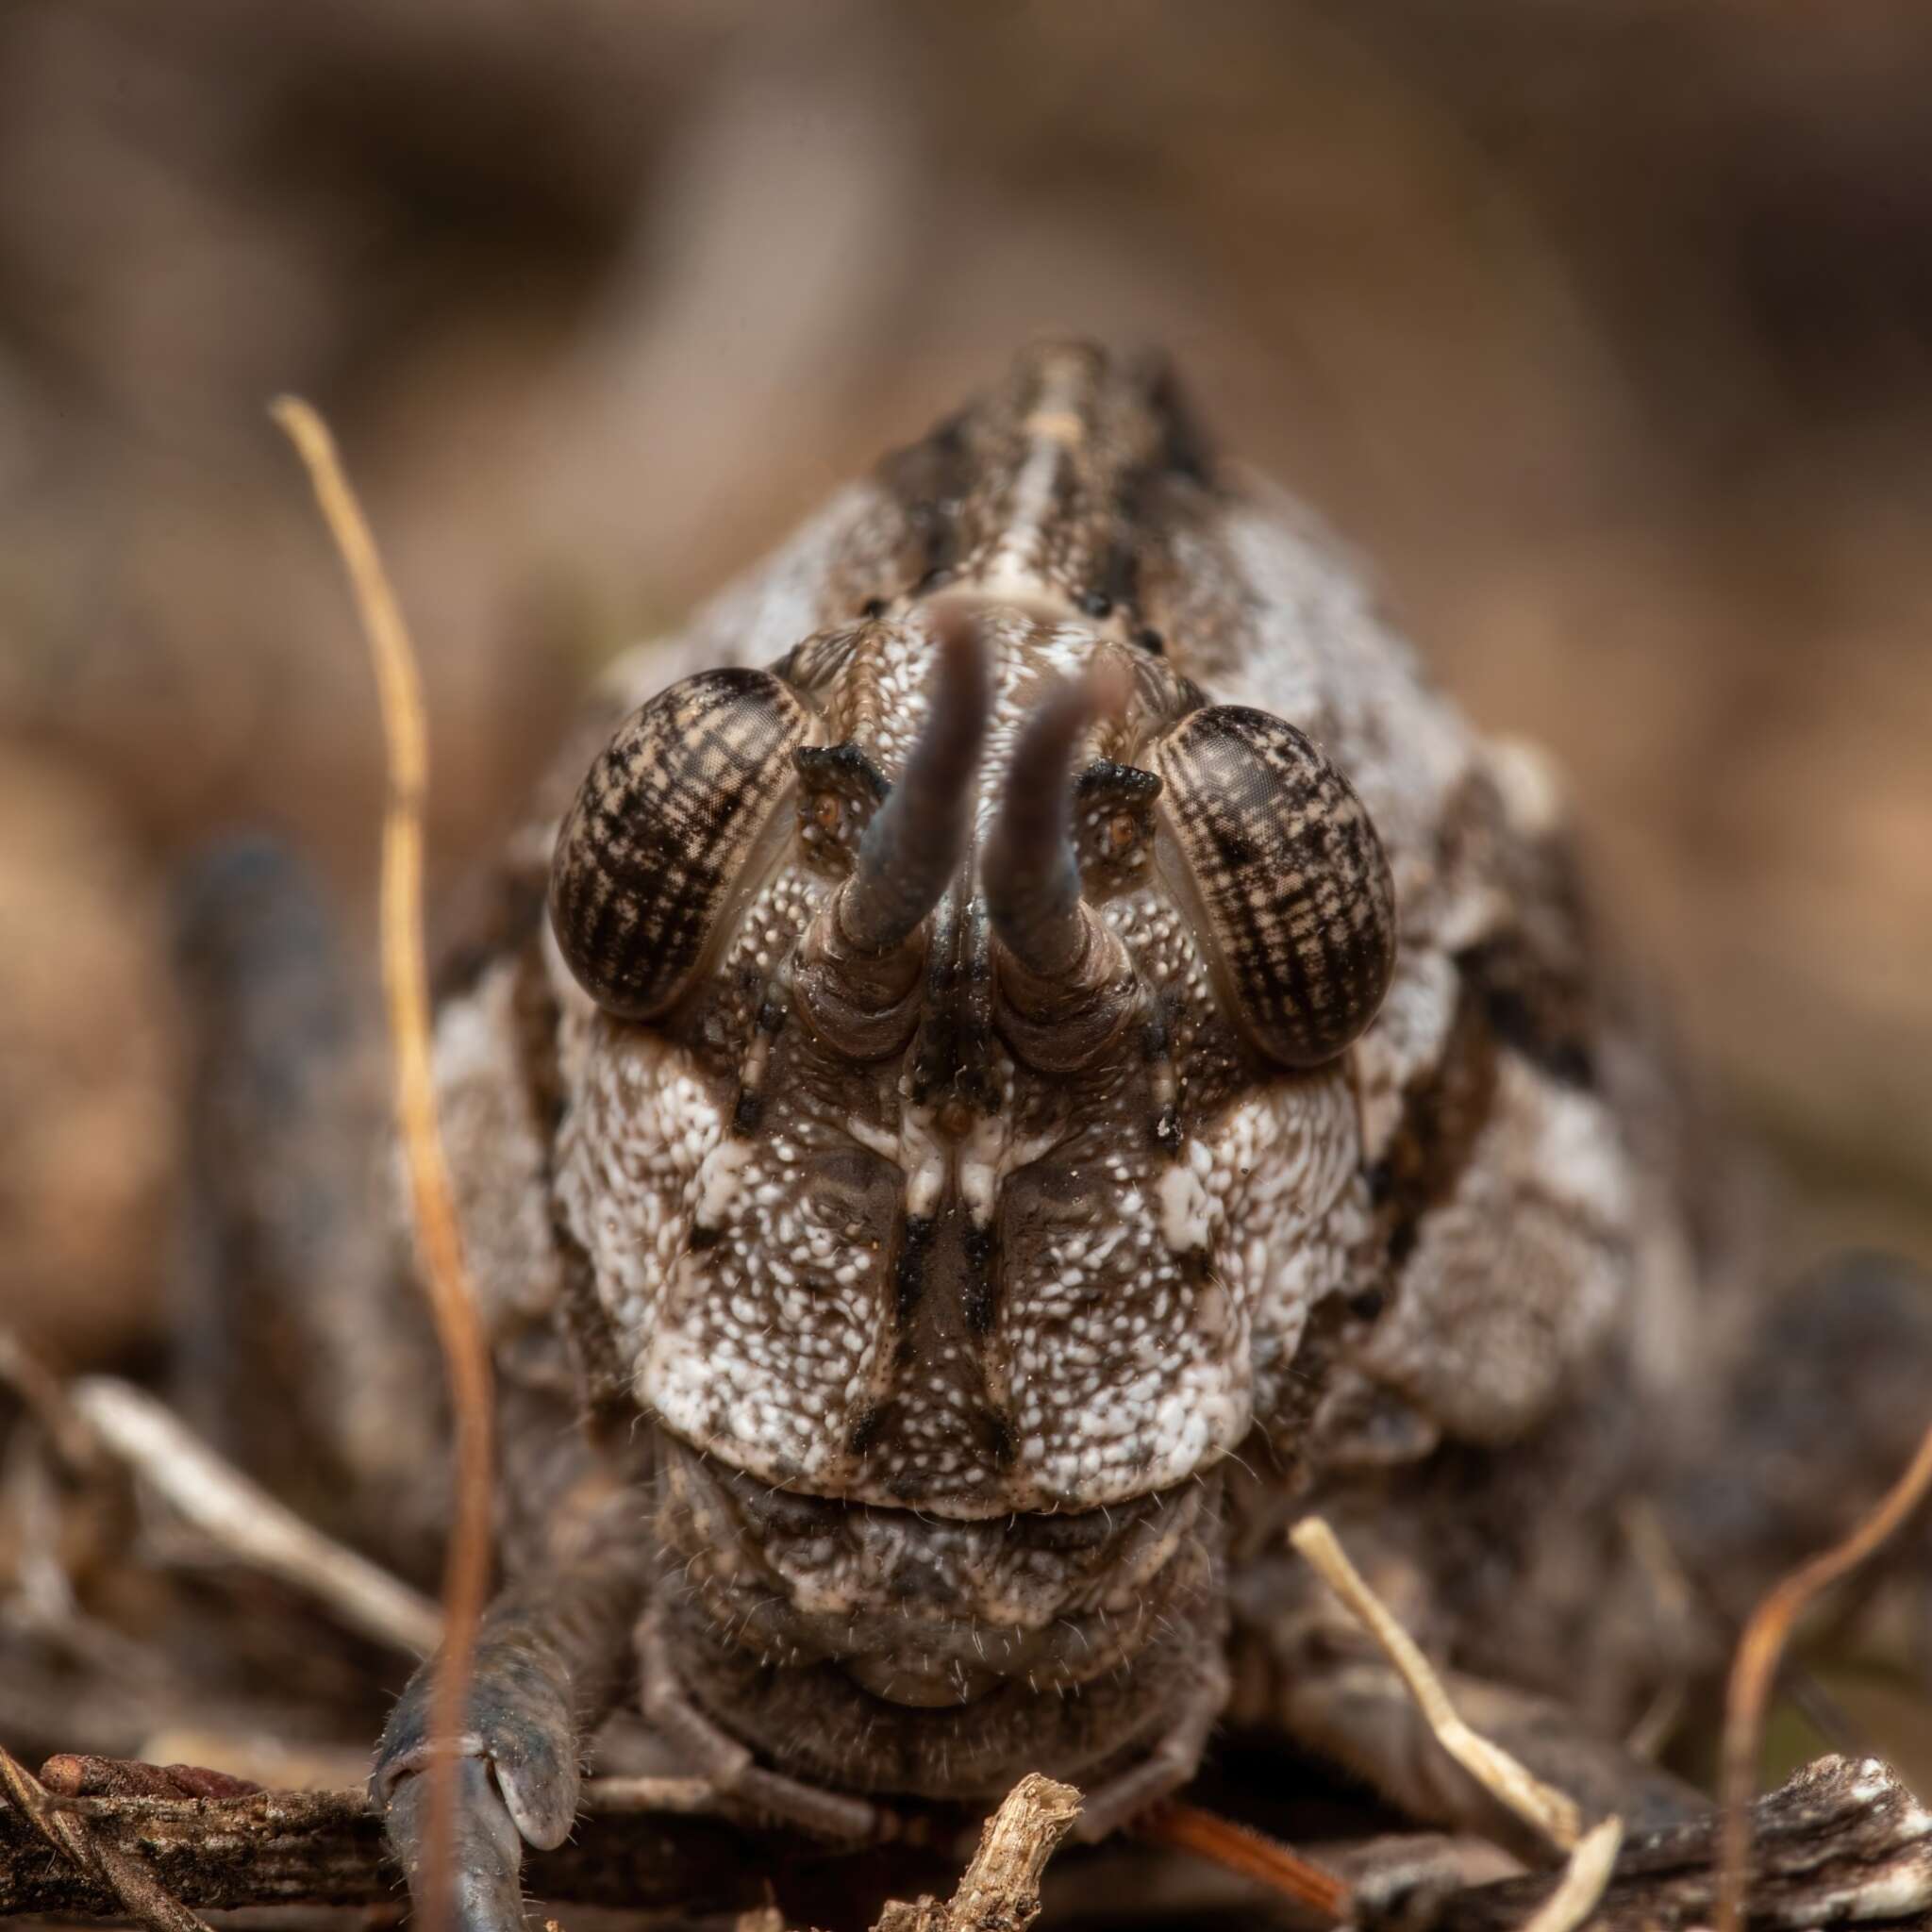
(1602, 328)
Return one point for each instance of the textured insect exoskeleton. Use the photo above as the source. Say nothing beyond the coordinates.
(1054, 1052)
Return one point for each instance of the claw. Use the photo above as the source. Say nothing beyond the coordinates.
(520, 1723)
(486, 1894)
(526, 1730)
(517, 1781)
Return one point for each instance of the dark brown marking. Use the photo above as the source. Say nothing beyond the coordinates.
(930, 480)
(909, 1270)
(1118, 588)
(1534, 1006)
(1442, 1116)
(600, 1363)
(1186, 449)
(996, 1436)
(823, 766)
(980, 1296)
(839, 790)
(1108, 799)
(1536, 976)
(1127, 460)
(866, 1428)
(952, 1061)
(498, 917)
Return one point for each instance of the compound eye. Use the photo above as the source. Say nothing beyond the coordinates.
(667, 834)
(1294, 899)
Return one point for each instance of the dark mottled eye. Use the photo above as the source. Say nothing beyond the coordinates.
(1297, 906)
(666, 831)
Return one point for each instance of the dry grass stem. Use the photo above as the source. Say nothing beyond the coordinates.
(438, 1241)
(1542, 1806)
(246, 1521)
(1581, 1887)
(146, 1900)
(689, 1798)
(1188, 1828)
(1754, 1667)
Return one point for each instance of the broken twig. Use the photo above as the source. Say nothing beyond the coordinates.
(116, 1869)
(310, 1848)
(1843, 1843)
(1001, 1886)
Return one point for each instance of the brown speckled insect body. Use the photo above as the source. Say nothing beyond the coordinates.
(1056, 1050)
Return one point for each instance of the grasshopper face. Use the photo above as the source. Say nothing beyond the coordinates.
(984, 1117)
